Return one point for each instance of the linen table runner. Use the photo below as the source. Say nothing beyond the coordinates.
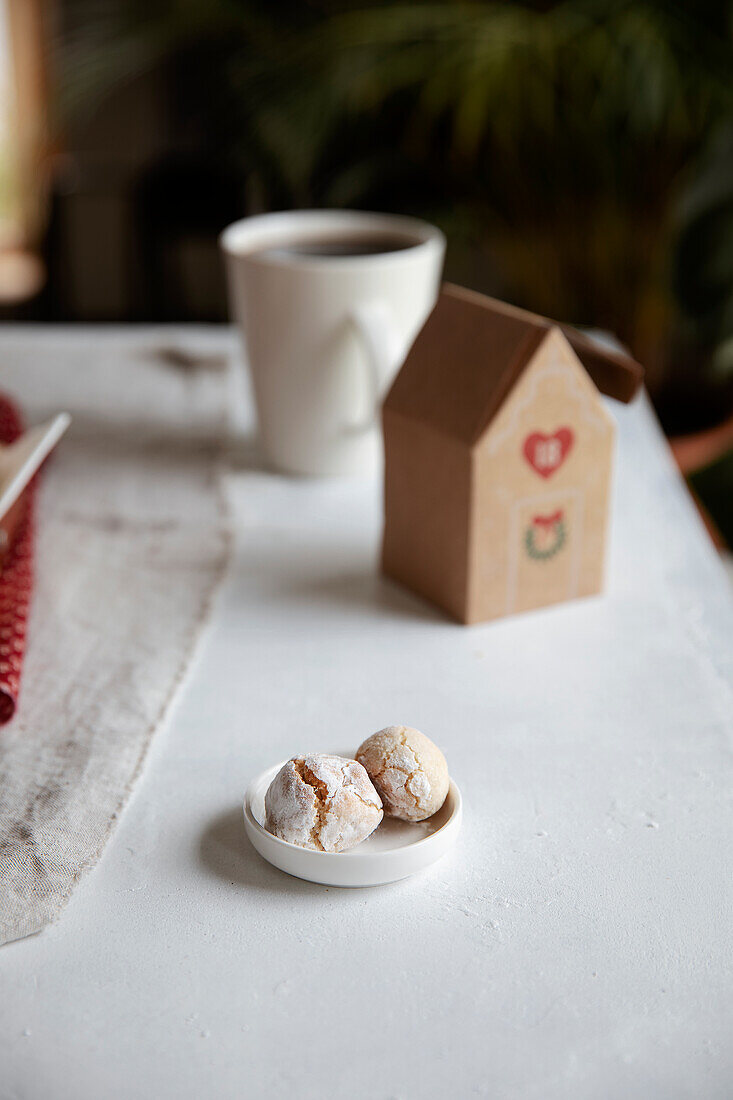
(131, 540)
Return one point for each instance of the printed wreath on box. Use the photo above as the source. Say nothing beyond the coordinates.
(545, 536)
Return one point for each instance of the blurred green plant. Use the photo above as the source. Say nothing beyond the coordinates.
(579, 154)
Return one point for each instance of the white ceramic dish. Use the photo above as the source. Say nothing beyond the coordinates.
(395, 850)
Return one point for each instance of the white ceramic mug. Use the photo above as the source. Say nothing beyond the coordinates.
(325, 334)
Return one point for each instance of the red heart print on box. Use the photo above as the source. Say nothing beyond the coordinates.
(546, 453)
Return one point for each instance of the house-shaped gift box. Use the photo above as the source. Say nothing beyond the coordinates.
(498, 459)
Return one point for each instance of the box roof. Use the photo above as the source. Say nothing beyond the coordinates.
(470, 353)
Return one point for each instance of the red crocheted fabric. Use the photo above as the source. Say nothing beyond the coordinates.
(16, 578)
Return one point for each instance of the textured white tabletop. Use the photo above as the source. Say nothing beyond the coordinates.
(577, 942)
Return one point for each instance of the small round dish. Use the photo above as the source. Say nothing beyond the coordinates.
(394, 850)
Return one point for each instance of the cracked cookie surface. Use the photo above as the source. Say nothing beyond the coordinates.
(408, 770)
(323, 802)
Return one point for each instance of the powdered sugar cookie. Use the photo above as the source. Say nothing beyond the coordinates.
(408, 771)
(323, 802)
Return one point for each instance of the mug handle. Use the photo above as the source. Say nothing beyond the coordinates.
(373, 321)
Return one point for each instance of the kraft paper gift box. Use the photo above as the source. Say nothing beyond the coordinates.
(498, 459)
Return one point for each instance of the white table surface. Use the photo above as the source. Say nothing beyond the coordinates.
(576, 943)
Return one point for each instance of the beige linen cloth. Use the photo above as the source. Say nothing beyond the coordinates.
(131, 540)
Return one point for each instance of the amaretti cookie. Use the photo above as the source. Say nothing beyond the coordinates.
(323, 802)
(408, 771)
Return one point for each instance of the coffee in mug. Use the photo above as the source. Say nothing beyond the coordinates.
(328, 303)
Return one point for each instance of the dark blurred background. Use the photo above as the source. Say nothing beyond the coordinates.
(579, 156)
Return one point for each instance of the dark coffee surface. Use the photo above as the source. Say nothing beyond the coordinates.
(367, 244)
